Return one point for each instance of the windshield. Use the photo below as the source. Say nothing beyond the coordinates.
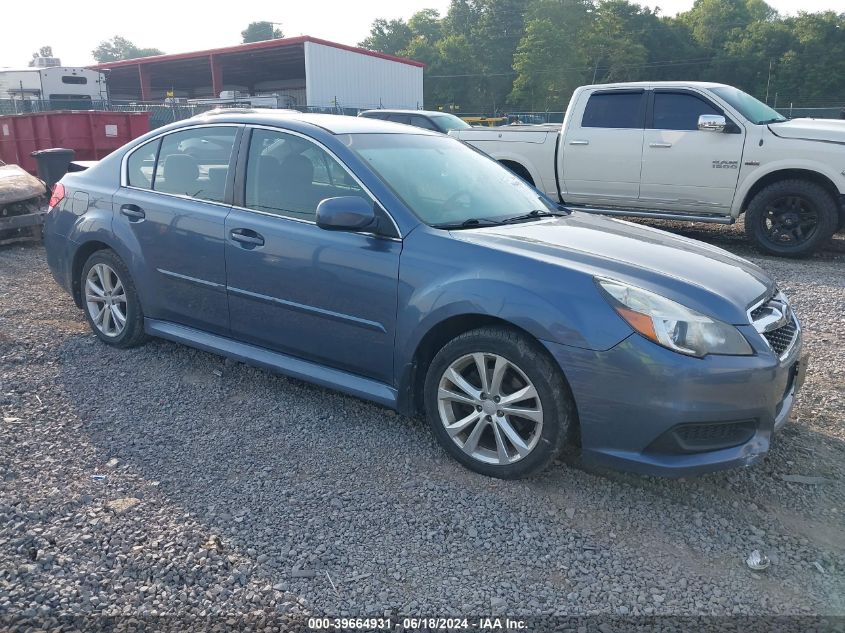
(443, 181)
(448, 122)
(755, 111)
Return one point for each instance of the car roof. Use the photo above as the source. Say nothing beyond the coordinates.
(400, 111)
(331, 123)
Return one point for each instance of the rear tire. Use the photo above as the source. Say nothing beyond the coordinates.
(791, 218)
(110, 301)
(506, 410)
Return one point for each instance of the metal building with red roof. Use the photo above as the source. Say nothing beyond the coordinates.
(306, 70)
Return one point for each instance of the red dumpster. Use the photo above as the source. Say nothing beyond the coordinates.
(90, 133)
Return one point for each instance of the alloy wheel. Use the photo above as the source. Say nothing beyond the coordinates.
(105, 298)
(790, 221)
(490, 408)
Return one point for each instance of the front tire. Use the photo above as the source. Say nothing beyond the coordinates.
(791, 218)
(110, 300)
(497, 403)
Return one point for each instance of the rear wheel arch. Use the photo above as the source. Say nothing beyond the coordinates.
(519, 170)
(79, 258)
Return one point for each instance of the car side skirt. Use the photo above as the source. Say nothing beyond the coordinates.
(351, 384)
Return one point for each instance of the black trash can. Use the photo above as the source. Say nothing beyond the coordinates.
(52, 164)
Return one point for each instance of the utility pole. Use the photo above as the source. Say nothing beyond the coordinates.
(769, 82)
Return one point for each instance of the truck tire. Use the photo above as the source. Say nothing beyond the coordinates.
(791, 218)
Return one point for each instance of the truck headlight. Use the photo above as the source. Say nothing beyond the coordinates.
(671, 324)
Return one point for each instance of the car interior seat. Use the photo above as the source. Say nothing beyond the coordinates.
(181, 174)
(297, 184)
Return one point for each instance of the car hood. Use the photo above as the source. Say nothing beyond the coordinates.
(811, 129)
(702, 277)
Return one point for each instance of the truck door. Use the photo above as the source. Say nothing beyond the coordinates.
(603, 146)
(684, 168)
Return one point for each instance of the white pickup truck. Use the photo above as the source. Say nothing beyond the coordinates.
(704, 152)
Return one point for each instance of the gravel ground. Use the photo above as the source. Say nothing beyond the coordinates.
(226, 490)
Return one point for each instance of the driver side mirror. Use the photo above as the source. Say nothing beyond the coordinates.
(712, 123)
(346, 213)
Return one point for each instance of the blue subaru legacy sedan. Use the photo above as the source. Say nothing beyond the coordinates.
(401, 266)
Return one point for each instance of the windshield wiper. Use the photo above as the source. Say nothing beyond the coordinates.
(773, 120)
(536, 213)
(468, 224)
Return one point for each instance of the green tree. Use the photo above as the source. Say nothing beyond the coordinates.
(531, 54)
(119, 48)
(612, 43)
(549, 61)
(388, 36)
(260, 31)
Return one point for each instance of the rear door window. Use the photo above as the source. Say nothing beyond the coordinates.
(614, 110)
(195, 163)
(141, 165)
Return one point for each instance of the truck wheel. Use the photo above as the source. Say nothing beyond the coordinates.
(497, 403)
(791, 218)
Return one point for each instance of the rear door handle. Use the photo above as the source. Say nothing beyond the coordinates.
(660, 145)
(579, 142)
(133, 212)
(247, 237)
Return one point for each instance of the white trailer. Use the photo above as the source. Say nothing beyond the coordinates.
(56, 83)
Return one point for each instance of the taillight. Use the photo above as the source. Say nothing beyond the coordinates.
(57, 196)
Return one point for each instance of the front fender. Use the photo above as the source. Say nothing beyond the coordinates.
(824, 169)
(548, 302)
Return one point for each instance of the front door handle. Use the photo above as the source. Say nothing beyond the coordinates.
(133, 212)
(247, 237)
(660, 145)
(579, 142)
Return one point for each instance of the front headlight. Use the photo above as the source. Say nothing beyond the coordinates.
(672, 325)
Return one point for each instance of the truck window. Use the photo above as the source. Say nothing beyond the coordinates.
(614, 109)
(679, 111)
(74, 79)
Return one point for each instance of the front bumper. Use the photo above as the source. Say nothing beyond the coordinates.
(633, 397)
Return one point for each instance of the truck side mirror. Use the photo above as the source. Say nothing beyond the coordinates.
(712, 123)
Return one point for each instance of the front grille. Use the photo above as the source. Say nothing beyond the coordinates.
(774, 320)
(703, 437)
(781, 339)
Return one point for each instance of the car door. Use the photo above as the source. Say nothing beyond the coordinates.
(324, 296)
(685, 168)
(172, 209)
(603, 147)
